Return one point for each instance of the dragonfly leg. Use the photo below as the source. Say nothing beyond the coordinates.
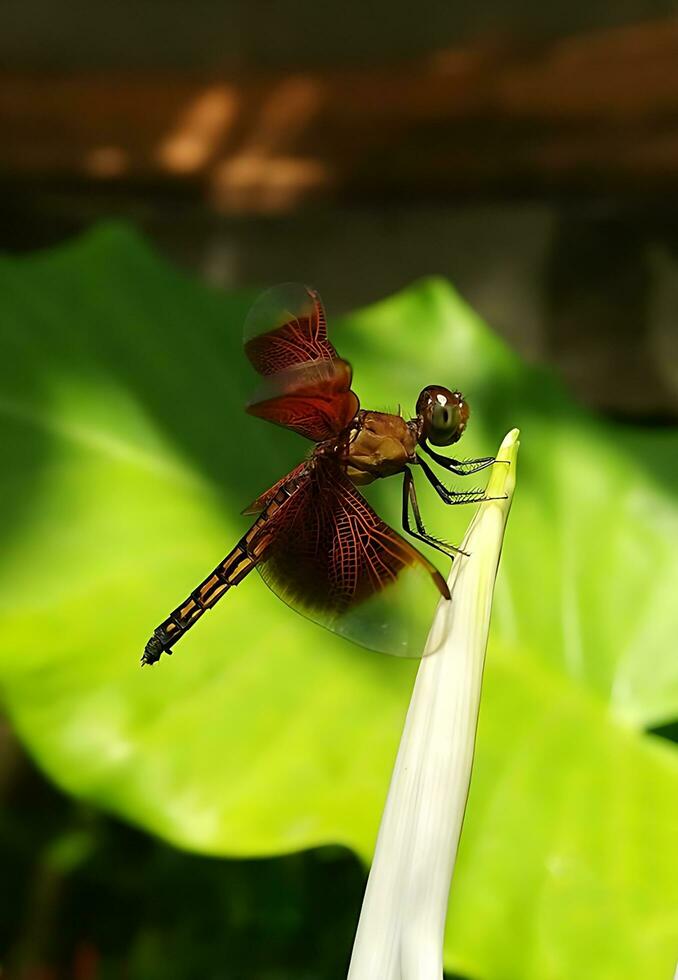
(461, 467)
(453, 497)
(410, 499)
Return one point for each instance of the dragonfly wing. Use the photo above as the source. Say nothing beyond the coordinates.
(331, 557)
(287, 326)
(307, 386)
(314, 400)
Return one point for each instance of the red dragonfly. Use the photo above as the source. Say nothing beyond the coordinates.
(316, 541)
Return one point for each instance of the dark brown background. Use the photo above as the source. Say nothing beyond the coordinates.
(527, 151)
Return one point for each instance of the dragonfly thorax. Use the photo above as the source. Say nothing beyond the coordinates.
(380, 445)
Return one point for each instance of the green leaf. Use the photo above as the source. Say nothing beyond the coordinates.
(127, 459)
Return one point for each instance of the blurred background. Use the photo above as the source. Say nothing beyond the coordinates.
(526, 151)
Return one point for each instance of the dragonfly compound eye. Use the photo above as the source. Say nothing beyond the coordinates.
(444, 415)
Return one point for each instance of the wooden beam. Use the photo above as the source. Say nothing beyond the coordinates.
(587, 113)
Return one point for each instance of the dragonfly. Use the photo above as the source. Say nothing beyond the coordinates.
(316, 541)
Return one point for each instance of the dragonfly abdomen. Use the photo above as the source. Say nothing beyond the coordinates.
(230, 572)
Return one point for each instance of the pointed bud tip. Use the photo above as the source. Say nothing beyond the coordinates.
(503, 478)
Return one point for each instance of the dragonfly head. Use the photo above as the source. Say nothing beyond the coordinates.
(443, 415)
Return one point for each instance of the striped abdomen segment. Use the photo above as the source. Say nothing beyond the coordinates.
(228, 573)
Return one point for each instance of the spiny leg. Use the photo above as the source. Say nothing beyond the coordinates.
(410, 497)
(461, 467)
(453, 497)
